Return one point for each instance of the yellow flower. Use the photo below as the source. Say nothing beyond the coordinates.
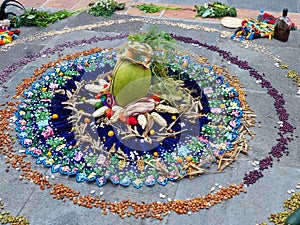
(60, 147)
(222, 146)
(91, 175)
(206, 70)
(233, 104)
(49, 161)
(122, 164)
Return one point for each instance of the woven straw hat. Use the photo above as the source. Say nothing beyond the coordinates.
(231, 22)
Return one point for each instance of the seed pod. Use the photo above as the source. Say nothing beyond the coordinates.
(139, 106)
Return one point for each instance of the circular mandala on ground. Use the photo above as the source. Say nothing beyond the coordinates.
(71, 121)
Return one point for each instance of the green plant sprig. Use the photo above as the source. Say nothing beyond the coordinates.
(152, 35)
(105, 7)
(163, 84)
(151, 8)
(33, 17)
(215, 10)
(157, 40)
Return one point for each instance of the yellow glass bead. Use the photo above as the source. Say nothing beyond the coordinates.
(110, 133)
(54, 116)
(86, 120)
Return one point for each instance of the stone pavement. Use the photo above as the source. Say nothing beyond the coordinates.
(263, 198)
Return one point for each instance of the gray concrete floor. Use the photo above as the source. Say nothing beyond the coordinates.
(263, 198)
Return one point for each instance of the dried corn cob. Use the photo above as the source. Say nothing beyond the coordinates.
(159, 119)
(142, 120)
(165, 108)
(117, 110)
(92, 101)
(100, 111)
(93, 88)
(102, 82)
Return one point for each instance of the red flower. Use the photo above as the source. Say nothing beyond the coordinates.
(48, 132)
(131, 120)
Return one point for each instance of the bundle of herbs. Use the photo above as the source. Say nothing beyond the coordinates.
(165, 48)
(215, 10)
(151, 8)
(34, 17)
(159, 41)
(105, 7)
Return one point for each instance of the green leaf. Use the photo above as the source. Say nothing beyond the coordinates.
(30, 17)
(34, 17)
(206, 13)
(151, 8)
